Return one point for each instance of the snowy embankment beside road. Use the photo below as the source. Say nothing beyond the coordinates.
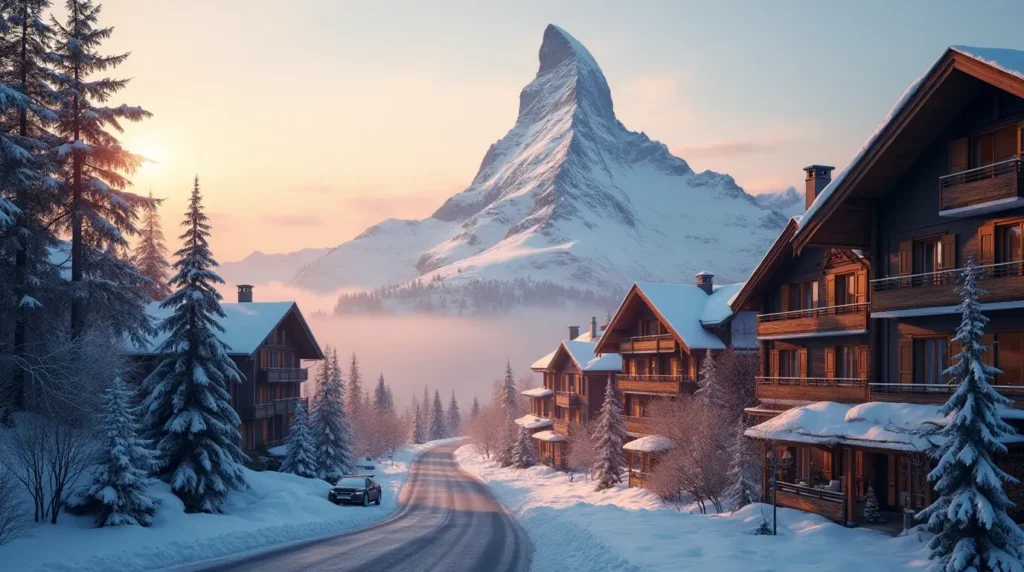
(277, 508)
(575, 528)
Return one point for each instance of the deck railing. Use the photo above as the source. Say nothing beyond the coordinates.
(814, 381)
(285, 374)
(944, 277)
(811, 492)
(976, 174)
(982, 185)
(653, 377)
(276, 407)
(840, 310)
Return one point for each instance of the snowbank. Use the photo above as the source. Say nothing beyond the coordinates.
(277, 508)
(575, 528)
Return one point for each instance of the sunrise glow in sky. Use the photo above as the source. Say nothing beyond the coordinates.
(310, 120)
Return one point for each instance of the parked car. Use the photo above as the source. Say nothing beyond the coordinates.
(355, 489)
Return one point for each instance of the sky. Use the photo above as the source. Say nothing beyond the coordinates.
(309, 121)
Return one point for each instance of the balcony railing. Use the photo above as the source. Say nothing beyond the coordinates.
(1004, 281)
(814, 320)
(841, 389)
(284, 374)
(669, 384)
(566, 399)
(829, 504)
(648, 344)
(993, 185)
(277, 407)
(934, 392)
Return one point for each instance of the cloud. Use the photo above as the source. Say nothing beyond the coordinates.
(767, 185)
(292, 219)
(730, 148)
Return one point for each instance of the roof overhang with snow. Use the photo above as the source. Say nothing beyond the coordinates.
(649, 444)
(530, 422)
(549, 436)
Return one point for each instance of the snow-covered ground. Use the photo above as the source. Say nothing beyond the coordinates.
(277, 508)
(575, 528)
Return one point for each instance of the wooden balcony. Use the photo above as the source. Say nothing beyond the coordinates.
(812, 499)
(648, 344)
(635, 425)
(283, 374)
(566, 399)
(981, 190)
(934, 394)
(657, 384)
(561, 426)
(1001, 282)
(842, 390)
(278, 407)
(848, 317)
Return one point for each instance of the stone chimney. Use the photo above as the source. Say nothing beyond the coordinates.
(706, 282)
(244, 293)
(574, 332)
(818, 177)
(593, 328)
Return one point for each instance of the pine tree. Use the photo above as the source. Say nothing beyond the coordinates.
(709, 390)
(187, 405)
(972, 529)
(117, 495)
(418, 433)
(391, 398)
(474, 411)
(329, 425)
(609, 436)
(150, 253)
(872, 512)
(524, 453)
(354, 396)
(744, 471)
(381, 403)
(437, 429)
(508, 401)
(301, 457)
(94, 166)
(454, 420)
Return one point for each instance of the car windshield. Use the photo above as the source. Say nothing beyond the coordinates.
(352, 482)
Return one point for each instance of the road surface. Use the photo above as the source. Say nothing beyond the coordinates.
(446, 522)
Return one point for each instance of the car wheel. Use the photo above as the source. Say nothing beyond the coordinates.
(366, 499)
(377, 502)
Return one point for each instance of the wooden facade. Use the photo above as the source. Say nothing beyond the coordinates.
(938, 186)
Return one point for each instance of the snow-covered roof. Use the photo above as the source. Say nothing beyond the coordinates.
(538, 392)
(549, 436)
(531, 422)
(1007, 60)
(544, 362)
(245, 325)
(649, 444)
(896, 426)
(687, 307)
(583, 354)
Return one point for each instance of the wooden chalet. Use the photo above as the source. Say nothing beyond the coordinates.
(663, 332)
(268, 342)
(575, 378)
(857, 298)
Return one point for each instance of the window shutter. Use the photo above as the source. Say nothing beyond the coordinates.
(987, 244)
(906, 258)
(862, 286)
(830, 362)
(863, 362)
(947, 244)
(803, 362)
(958, 155)
(1006, 143)
(774, 365)
(830, 290)
(905, 361)
(784, 298)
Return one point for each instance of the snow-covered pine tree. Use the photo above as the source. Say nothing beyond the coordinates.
(391, 397)
(417, 435)
(187, 405)
(437, 429)
(474, 411)
(709, 386)
(354, 396)
(972, 529)
(609, 436)
(95, 167)
(524, 453)
(150, 255)
(117, 495)
(454, 417)
(380, 396)
(508, 399)
(744, 480)
(508, 402)
(872, 512)
(301, 457)
(329, 424)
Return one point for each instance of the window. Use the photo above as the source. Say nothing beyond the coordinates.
(1008, 242)
(789, 363)
(846, 289)
(993, 147)
(927, 256)
(803, 295)
(1009, 350)
(930, 360)
(846, 362)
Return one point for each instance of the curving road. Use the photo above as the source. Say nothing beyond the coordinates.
(446, 521)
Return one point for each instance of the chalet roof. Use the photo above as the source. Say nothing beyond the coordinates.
(246, 325)
(581, 350)
(687, 308)
(545, 361)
